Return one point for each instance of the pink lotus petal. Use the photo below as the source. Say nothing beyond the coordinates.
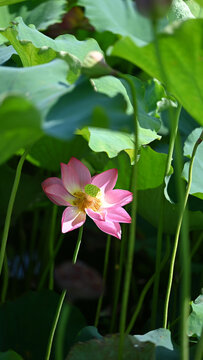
(55, 191)
(75, 175)
(72, 219)
(106, 180)
(109, 227)
(96, 215)
(118, 197)
(118, 214)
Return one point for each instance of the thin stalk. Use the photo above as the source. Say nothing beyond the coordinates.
(131, 243)
(10, 208)
(61, 300)
(61, 334)
(106, 260)
(174, 127)
(46, 270)
(118, 282)
(180, 219)
(55, 322)
(185, 262)
(199, 349)
(77, 247)
(145, 290)
(51, 246)
(5, 279)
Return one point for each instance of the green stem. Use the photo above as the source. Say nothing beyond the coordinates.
(77, 247)
(62, 297)
(131, 243)
(5, 279)
(199, 350)
(180, 219)
(174, 127)
(51, 246)
(106, 260)
(145, 290)
(61, 334)
(55, 322)
(118, 281)
(10, 208)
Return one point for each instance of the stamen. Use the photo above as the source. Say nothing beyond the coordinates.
(84, 201)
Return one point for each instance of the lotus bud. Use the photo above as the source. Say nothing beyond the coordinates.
(94, 65)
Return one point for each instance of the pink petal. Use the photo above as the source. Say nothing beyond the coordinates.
(118, 214)
(75, 175)
(96, 215)
(106, 180)
(109, 227)
(72, 218)
(55, 191)
(118, 197)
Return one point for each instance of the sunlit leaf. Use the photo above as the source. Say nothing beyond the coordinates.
(147, 96)
(41, 13)
(112, 142)
(162, 340)
(179, 11)
(195, 7)
(151, 168)
(177, 54)
(42, 84)
(195, 325)
(200, 2)
(5, 53)
(35, 48)
(127, 21)
(159, 337)
(197, 172)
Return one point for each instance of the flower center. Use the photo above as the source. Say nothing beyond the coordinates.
(90, 199)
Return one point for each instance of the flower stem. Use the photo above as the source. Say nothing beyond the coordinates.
(55, 322)
(180, 220)
(199, 349)
(174, 120)
(77, 247)
(62, 297)
(5, 279)
(145, 290)
(106, 260)
(51, 246)
(10, 208)
(132, 236)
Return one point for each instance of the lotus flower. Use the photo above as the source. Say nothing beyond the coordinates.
(85, 195)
